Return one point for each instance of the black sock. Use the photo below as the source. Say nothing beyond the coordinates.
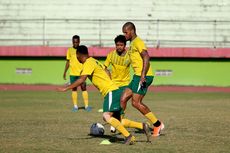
(158, 123)
(117, 115)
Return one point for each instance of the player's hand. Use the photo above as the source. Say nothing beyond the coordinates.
(143, 85)
(61, 89)
(142, 79)
(143, 82)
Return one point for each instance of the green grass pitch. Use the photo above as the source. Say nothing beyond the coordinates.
(42, 121)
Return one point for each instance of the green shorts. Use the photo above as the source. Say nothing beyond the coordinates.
(136, 87)
(122, 88)
(112, 101)
(73, 78)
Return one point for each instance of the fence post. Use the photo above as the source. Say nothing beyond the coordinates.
(158, 32)
(43, 31)
(100, 42)
(214, 34)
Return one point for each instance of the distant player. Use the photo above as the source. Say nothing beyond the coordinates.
(75, 70)
(95, 71)
(142, 79)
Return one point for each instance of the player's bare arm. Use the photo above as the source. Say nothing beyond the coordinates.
(145, 57)
(65, 70)
(75, 84)
(108, 72)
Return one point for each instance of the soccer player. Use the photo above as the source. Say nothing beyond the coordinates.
(142, 79)
(95, 71)
(120, 75)
(120, 61)
(75, 69)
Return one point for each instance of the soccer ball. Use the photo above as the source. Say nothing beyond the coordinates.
(97, 129)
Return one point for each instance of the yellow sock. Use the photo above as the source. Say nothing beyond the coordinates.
(151, 117)
(117, 124)
(74, 98)
(131, 124)
(85, 98)
(122, 116)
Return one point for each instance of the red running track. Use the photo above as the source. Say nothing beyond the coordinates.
(21, 87)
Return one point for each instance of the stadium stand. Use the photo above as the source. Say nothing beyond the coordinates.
(174, 23)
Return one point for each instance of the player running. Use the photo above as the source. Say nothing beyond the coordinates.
(142, 79)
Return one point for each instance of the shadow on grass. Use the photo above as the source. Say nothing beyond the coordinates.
(112, 138)
(82, 107)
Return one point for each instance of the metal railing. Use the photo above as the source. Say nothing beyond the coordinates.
(101, 32)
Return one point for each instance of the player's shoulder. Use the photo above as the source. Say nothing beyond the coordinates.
(71, 49)
(90, 60)
(112, 52)
(138, 40)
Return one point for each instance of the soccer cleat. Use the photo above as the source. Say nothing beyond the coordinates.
(147, 131)
(88, 109)
(157, 130)
(129, 140)
(74, 109)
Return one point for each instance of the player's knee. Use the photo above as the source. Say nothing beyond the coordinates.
(122, 99)
(74, 89)
(106, 117)
(135, 104)
(83, 87)
(127, 94)
(123, 105)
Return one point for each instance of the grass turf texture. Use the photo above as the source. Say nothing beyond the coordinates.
(42, 121)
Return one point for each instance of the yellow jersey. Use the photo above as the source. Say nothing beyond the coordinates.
(136, 47)
(74, 64)
(96, 73)
(120, 68)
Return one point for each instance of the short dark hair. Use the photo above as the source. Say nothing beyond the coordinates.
(120, 38)
(130, 25)
(82, 50)
(76, 37)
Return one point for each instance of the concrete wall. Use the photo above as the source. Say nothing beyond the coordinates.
(168, 72)
(204, 23)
